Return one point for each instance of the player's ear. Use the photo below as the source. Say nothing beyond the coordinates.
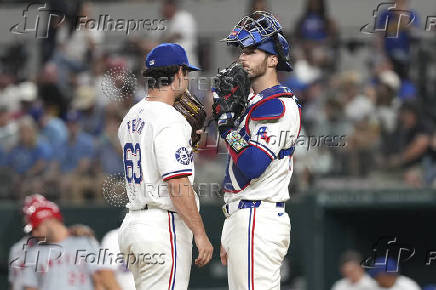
(179, 74)
(178, 77)
(273, 60)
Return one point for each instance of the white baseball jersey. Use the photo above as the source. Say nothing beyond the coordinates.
(365, 283)
(67, 265)
(156, 141)
(122, 273)
(403, 283)
(270, 136)
(16, 260)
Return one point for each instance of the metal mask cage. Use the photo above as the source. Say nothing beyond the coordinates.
(258, 26)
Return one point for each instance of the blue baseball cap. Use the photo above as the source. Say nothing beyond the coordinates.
(384, 265)
(167, 54)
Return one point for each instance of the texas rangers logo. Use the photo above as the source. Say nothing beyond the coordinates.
(263, 134)
(183, 155)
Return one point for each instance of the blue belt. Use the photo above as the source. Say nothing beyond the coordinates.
(255, 204)
(286, 152)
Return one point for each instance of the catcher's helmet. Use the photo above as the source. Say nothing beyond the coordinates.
(262, 30)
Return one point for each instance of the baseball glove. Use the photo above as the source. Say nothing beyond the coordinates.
(230, 94)
(193, 110)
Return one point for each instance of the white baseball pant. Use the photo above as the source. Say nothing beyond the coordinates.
(162, 246)
(256, 241)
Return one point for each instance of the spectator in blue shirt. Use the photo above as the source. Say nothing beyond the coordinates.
(396, 41)
(110, 154)
(31, 154)
(317, 33)
(75, 162)
(2, 157)
(29, 158)
(52, 128)
(78, 149)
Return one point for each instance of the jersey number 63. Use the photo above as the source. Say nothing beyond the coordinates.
(132, 163)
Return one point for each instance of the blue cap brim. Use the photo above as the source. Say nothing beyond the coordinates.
(193, 67)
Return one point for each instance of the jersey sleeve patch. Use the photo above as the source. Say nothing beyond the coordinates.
(270, 110)
(184, 156)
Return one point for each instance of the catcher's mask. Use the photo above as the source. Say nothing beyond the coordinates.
(263, 31)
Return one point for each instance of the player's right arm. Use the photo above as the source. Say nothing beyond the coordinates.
(183, 198)
(174, 158)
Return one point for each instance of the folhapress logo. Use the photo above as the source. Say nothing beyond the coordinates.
(382, 25)
(389, 19)
(38, 19)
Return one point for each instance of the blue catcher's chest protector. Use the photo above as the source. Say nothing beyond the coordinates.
(270, 107)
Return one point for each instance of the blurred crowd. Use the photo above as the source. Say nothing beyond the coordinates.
(388, 127)
(374, 273)
(58, 131)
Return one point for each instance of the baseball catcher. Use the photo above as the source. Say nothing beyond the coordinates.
(260, 132)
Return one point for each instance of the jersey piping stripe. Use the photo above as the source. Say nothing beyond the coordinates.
(175, 251)
(177, 171)
(299, 129)
(252, 249)
(249, 252)
(232, 177)
(177, 174)
(251, 225)
(263, 148)
(271, 118)
(236, 191)
(171, 229)
(247, 120)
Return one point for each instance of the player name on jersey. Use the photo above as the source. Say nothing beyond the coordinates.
(135, 125)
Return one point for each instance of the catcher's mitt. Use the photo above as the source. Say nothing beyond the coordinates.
(193, 110)
(231, 91)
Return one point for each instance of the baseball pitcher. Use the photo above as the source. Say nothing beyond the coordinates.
(156, 234)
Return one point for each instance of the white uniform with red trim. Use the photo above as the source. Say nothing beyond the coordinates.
(256, 238)
(156, 143)
(68, 264)
(16, 260)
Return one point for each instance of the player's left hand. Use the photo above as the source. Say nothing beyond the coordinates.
(226, 120)
(223, 256)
